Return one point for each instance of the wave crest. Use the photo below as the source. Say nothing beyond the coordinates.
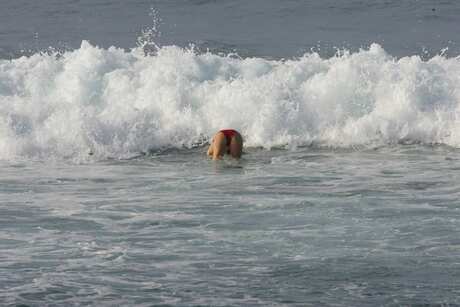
(114, 103)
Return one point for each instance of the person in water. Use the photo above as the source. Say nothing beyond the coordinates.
(227, 141)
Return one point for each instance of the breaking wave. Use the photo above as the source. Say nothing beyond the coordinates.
(116, 103)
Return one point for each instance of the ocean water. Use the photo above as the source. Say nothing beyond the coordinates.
(347, 194)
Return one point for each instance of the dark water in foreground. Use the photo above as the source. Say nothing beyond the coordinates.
(301, 227)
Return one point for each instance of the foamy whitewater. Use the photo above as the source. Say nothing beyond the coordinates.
(347, 192)
(113, 103)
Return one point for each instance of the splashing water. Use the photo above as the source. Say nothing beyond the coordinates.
(146, 40)
(115, 103)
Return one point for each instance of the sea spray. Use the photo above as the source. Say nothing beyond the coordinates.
(116, 103)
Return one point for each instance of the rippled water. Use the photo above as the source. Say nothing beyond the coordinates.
(329, 213)
(282, 227)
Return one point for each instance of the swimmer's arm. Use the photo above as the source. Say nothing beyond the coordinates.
(214, 154)
(210, 150)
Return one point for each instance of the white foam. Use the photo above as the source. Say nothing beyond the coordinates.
(112, 102)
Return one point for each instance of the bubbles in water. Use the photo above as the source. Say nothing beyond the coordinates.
(115, 103)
